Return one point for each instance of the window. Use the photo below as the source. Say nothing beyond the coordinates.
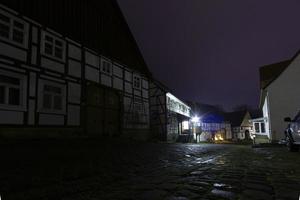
(262, 127)
(13, 29)
(52, 97)
(106, 66)
(256, 125)
(137, 82)
(12, 87)
(53, 46)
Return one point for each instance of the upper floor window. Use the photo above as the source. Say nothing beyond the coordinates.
(12, 90)
(13, 29)
(53, 46)
(52, 97)
(136, 82)
(106, 66)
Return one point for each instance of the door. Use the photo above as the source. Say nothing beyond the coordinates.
(247, 135)
(102, 111)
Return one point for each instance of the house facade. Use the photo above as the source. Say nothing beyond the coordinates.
(242, 128)
(70, 67)
(279, 96)
(169, 115)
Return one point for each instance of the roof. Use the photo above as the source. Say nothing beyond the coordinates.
(204, 109)
(98, 25)
(256, 114)
(235, 118)
(270, 73)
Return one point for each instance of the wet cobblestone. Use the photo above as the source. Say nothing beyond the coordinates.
(89, 171)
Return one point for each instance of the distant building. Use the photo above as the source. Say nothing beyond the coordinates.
(212, 125)
(70, 67)
(241, 127)
(169, 116)
(280, 96)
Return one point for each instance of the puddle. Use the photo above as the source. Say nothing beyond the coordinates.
(222, 185)
(222, 193)
(201, 161)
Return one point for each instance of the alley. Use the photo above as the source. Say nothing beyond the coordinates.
(93, 169)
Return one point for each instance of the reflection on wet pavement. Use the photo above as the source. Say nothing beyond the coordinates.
(155, 171)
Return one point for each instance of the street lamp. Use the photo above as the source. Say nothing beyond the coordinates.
(195, 121)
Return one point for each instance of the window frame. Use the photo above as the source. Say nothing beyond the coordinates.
(54, 38)
(104, 60)
(23, 92)
(41, 108)
(134, 77)
(25, 31)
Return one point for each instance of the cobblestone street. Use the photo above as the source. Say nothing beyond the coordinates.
(90, 170)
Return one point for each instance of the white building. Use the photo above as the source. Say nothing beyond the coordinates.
(280, 96)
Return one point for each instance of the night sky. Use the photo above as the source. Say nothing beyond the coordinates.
(210, 50)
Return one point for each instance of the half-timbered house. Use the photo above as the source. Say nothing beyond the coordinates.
(70, 66)
(169, 115)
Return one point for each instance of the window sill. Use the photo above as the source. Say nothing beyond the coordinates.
(46, 111)
(54, 58)
(13, 108)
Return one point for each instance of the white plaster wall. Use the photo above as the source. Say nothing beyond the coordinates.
(128, 87)
(284, 98)
(13, 52)
(91, 74)
(145, 93)
(92, 59)
(106, 80)
(128, 76)
(48, 119)
(265, 110)
(118, 71)
(74, 52)
(73, 115)
(118, 83)
(52, 65)
(145, 84)
(11, 117)
(75, 68)
(74, 92)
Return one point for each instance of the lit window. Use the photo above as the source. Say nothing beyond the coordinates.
(136, 82)
(13, 29)
(53, 46)
(52, 97)
(106, 66)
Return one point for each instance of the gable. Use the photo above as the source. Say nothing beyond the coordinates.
(96, 24)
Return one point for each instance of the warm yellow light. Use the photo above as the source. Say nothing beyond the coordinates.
(219, 137)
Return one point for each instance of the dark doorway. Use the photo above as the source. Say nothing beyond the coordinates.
(247, 135)
(102, 111)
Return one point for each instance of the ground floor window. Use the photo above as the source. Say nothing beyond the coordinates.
(12, 90)
(52, 96)
(256, 126)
